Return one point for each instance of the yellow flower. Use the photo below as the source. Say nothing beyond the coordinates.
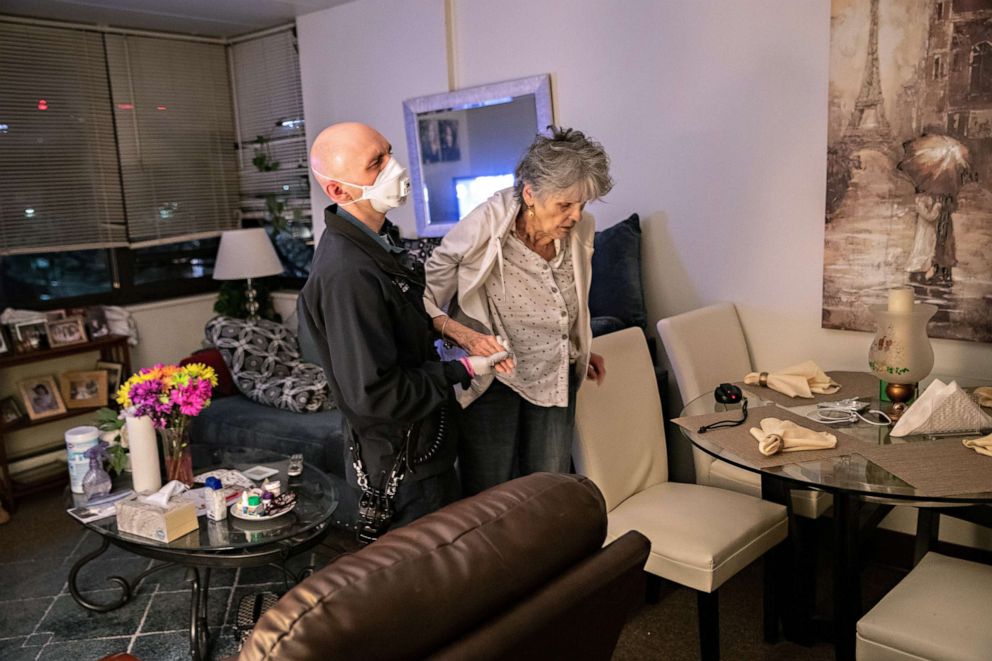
(201, 371)
(122, 394)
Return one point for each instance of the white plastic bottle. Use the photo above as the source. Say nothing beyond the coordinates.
(216, 503)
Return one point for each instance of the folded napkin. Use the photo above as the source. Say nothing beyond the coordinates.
(943, 408)
(981, 445)
(786, 436)
(984, 396)
(802, 380)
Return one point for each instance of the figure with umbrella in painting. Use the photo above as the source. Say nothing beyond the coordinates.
(937, 165)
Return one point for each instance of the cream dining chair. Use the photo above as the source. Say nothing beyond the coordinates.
(700, 536)
(939, 611)
(706, 347)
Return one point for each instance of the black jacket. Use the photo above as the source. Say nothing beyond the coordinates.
(364, 309)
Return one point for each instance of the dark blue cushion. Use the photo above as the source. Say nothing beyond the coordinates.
(616, 289)
(604, 325)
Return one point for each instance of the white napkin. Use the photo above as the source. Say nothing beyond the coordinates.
(981, 445)
(161, 497)
(943, 408)
(786, 436)
(802, 380)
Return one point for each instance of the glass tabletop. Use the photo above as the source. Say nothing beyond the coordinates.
(316, 499)
(851, 473)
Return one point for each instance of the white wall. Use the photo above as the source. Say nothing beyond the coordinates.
(358, 62)
(714, 113)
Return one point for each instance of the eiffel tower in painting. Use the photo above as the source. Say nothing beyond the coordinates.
(868, 126)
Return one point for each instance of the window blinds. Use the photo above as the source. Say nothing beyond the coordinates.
(59, 178)
(175, 131)
(269, 100)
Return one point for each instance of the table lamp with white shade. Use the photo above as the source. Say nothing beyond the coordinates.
(243, 255)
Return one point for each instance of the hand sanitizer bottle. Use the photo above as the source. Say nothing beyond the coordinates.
(216, 503)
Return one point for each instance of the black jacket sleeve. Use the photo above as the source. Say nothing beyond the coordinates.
(366, 361)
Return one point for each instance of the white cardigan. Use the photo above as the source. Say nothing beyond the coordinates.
(460, 266)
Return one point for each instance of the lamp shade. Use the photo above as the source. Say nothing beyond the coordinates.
(246, 254)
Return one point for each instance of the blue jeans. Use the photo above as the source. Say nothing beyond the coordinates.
(502, 436)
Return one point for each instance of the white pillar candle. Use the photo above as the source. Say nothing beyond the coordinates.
(143, 448)
(901, 299)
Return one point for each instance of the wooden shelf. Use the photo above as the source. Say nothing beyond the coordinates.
(41, 478)
(47, 354)
(25, 423)
(37, 451)
(112, 348)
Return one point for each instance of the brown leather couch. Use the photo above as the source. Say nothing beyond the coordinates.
(516, 572)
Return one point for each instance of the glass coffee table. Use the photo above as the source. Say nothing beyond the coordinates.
(230, 543)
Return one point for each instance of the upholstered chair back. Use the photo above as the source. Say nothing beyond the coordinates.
(706, 347)
(623, 418)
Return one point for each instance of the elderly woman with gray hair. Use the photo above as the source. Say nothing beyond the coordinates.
(514, 275)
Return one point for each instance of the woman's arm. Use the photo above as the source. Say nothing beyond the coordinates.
(473, 342)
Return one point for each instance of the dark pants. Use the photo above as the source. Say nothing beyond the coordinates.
(502, 436)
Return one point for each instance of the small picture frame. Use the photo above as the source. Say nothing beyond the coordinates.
(82, 390)
(10, 411)
(4, 345)
(65, 332)
(41, 397)
(96, 322)
(30, 335)
(114, 373)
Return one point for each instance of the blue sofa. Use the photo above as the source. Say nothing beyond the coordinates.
(616, 301)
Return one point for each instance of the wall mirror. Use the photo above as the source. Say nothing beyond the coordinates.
(464, 145)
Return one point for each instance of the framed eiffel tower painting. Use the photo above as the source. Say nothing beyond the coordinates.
(909, 162)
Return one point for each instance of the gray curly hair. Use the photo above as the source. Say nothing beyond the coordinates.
(562, 161)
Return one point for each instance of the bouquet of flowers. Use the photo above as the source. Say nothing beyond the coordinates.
(170, 395)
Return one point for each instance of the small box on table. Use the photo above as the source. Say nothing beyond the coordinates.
(154, 522)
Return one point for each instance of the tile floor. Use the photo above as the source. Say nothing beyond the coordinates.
(41, 620)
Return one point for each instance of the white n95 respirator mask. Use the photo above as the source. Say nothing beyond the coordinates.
(389, 190)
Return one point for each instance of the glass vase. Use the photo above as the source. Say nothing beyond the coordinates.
(178, 460)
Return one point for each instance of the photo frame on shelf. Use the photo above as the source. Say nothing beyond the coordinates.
(4, 344)
(96, 322)
(82, 390)
(115, 372)
(30, 335)
(66, 332)
(10, 411)
(41, 397)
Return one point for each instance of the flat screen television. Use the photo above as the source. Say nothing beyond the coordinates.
(473, 191)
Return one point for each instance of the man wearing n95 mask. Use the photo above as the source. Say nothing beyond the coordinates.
(363, 306)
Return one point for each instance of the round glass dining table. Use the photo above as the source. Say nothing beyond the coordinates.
(851, 474)
(863, 493)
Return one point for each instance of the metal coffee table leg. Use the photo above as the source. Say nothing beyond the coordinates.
(199, 631)
(127, 587)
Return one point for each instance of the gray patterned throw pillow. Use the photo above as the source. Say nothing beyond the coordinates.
(264, 359)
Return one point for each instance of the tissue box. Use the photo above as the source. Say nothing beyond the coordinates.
(154, 522)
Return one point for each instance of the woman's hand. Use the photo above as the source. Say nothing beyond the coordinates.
(480, 344)
(475, 343)
(597, 368)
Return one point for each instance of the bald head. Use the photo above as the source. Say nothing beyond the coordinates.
(346, 155)
(340, 147)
